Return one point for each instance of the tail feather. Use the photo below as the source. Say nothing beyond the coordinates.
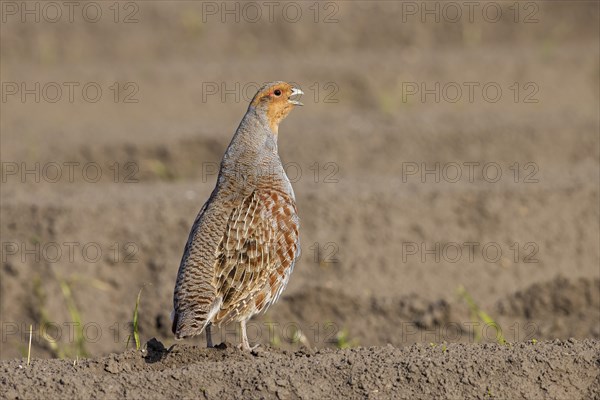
(174, 319)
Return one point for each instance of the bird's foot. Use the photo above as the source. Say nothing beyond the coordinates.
(247, 347)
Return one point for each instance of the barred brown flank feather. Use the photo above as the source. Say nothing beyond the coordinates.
(252, 263)
(245, 240)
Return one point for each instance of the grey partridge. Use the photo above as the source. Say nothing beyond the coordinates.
(245, 240)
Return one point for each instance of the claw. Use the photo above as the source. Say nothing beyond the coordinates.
(247, 347)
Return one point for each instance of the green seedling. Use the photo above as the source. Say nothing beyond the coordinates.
(135, 329)
(274, 339)
(161, 170)
(42, 315)
(343, 340)
(477, 314)
(75, 317)
(57, 350)
(300, 337)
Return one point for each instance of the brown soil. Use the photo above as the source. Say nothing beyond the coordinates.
(380, 263)
(554, 370)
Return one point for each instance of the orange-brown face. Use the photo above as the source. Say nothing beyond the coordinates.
(276, 99)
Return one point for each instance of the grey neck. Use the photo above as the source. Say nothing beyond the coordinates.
(254, 146)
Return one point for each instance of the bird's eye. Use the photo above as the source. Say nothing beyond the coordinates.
(277, 92)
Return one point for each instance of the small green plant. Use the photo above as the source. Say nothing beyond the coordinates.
(22, 350)
(274, 339)
(42, 315)
(75, 317)
(135, 327)
(161, 170)
(191, 22)
(300, 337)
(477, 314)
(443, 346)
(343, 340)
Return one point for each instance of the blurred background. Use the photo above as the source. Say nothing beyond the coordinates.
(446, 166)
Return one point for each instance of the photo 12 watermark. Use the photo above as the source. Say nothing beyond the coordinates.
(236, 92)
(319, 334)
(69, 252)
(70, 92)
(491, 12)
(307, 333)
(325, 172)
(251, 12)
(126, 12)
(470, 172)
(68, 172)
(471, 331)
(470, 92)
(468, 252)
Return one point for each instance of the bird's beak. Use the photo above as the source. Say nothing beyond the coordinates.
(294, 93)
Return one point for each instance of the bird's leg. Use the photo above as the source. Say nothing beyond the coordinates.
(209, 342)
(245, 344)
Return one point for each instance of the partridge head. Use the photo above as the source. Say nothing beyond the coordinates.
(276, 100)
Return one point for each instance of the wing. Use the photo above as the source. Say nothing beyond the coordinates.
(256, 255)
(194, 296)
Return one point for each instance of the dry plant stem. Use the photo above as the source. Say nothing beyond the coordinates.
(29, 351)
